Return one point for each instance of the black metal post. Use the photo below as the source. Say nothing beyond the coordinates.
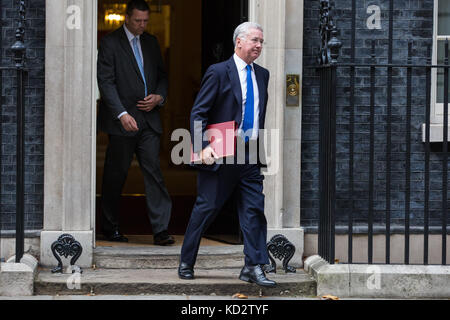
(372, 158)
(1, 129)
(324, 162)
(329, 52)
(327, 164)
(332, 164)
(322, 185)
(408, 153)
(20, 176)
(445, 157)
(18, 49)
(352, 135)
(389, 134)
(427, 159)
(1, 126)
(1, 149)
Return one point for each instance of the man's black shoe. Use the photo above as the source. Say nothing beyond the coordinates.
(163, 238)
(116, 236)
(255, 274)
(185, 271)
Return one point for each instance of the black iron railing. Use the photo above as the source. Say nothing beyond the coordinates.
(328, 54)
(328, 70)
(19, 49)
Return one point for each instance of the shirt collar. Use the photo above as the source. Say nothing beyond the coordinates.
(241, 64)
(130, 36)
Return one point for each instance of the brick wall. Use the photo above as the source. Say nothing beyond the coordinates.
(413, 21)
(34, 110)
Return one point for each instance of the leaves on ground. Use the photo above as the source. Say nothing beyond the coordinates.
(329, 297)
(239, 296)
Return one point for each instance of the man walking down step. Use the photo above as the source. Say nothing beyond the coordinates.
(233, 90)
(133, 87)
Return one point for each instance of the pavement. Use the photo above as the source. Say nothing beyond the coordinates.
(141, 297)
(154, 297)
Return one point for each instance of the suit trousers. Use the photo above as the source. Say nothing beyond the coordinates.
(214, 188)
(119, 155)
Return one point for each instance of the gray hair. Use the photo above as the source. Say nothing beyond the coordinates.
(242, 30)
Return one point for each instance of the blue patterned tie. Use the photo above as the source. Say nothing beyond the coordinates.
(139, 61)
(249, 104)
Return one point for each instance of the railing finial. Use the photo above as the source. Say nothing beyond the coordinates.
(330, 44)
(18, 47)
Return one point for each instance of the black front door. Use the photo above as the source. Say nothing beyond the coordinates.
(219, 19)
(182, 28)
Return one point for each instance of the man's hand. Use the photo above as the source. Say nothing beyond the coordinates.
(208, 155)
(149, 102)
(128, 123)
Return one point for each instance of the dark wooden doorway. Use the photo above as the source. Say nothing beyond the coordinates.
(193, 35)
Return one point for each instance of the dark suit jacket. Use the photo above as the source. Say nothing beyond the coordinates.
(121, 84)
(220, 100)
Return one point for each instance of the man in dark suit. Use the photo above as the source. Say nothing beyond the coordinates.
(133, 87)
(232, 90)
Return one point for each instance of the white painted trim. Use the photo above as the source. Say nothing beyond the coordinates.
(69, 122)
(271, 15)
(436, 109)
(436, 132)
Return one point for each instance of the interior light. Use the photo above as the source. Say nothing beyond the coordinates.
(114, 17)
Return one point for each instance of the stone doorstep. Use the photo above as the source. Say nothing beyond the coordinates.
(166, 250)
(379, 281)
(142, 257)
(209, 257)
(220, 282)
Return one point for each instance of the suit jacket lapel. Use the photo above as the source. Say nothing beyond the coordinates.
(127, 47)
(261, 89)
(235, 82)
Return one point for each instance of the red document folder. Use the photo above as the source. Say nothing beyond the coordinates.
(222, 138)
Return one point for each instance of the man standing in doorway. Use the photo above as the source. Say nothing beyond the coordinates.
(133, 87)
(234, 90)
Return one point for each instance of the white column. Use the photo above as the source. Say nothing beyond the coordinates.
(69, 183)
(282, 22)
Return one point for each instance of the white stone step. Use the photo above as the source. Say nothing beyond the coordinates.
(152, 257)
(220, 282)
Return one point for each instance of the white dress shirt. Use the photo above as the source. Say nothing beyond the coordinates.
(241, 66)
